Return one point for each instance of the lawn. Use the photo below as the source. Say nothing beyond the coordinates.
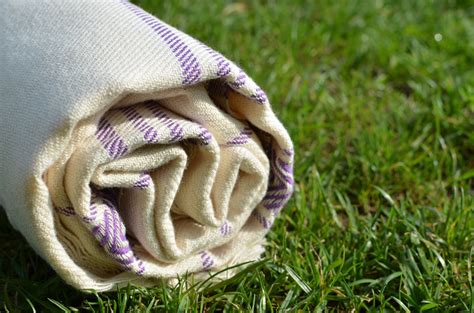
(378, 97)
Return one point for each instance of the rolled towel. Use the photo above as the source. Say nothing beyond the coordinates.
(129, 151)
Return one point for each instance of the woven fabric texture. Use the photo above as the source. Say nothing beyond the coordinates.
(129, 151)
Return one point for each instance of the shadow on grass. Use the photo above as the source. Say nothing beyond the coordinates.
(26, 280)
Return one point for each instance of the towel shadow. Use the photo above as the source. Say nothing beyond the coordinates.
(26, 277)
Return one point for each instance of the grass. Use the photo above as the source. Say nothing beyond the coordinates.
(379, 99)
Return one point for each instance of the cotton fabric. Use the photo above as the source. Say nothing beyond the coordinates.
(129, 151)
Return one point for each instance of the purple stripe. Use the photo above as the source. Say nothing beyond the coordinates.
(115, 229)
(207, 261)
(114, 246)
(287, 178)
(191, 74)
(277, 172)
(172, 40)
(277, 196)
(105, 237)
(141, 269)
(276, 201)
(123, 233)
(104, 133)
(280, 188)
(187, 54)
(149, 133)
(118, 146)
(205, 135)
(288, 152)
(67, 211)
(277, 187)
(166, 35)
(189, 62)
(120, 250)
(275, 205)
(180, 45)
(90, 218)
(111, 146)
(259, 96)
(223, 65)
(239, 81)
(183, 47)
(115, 223)
(92, 214)
(126, 262)
(177, 131)
(96, 230)
(242, 138)
(143, 181)
(225, 229)
(285, 166)
(175, 44)
(262, 220)
(223, 68)
(110, 233)
(110, 140)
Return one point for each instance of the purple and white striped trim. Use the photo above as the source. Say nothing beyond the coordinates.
(191, 69)
(282, 170)
(177, 130)
(286, 167)
(141, 266)
(205, 136)
(259, 96)
(274, 201)
(223, 65)
(281, 183)
(207, 261)
(265, 222)
(289, 152)
(239, 81)
(225, 229)
(92, 214)
(110, 232)
(149, 133)
(242, 138)
(144, 181)
(110, 139)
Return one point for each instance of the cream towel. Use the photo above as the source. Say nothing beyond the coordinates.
(130, 151)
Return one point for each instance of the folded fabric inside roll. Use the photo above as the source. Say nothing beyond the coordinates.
(129, 150)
